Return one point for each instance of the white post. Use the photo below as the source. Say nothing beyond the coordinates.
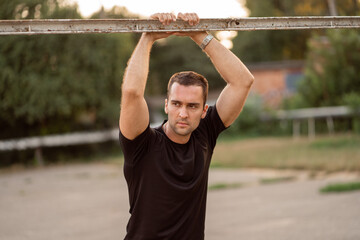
(39, 157)
(296, 129)
(330, 125)
(311, 128)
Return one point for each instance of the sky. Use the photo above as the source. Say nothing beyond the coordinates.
(204, 8)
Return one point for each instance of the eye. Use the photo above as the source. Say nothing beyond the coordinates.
(176, 104)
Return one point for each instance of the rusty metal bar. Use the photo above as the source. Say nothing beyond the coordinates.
(75, 26)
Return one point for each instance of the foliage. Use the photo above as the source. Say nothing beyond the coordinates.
(262, 46)
(249, 119)
(257, 46)
(353, 100)
(34, 9)
(251, 122)
(261, 8)
(58, 83)
(332, 71)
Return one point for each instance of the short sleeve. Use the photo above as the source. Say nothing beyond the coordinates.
(212, 125)
(133, 150)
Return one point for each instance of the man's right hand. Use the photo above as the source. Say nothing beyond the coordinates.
(167, 18)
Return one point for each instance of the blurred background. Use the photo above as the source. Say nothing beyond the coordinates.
(302, 113)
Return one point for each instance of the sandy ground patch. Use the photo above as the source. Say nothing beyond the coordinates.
(90, 202)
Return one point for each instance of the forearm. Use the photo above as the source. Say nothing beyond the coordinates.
(232, 70)
(136, 73)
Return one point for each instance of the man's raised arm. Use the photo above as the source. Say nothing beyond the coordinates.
(234, 72)
(134, 113)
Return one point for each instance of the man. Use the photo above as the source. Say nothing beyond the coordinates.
(166, 168)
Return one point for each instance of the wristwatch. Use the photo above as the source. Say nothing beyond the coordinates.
(206, 41)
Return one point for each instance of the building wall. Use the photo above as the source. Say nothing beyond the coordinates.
(275, 82)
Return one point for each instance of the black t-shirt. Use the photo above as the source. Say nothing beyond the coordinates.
(167, 181)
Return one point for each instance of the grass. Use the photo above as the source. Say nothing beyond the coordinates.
(276, 180)
(330, 154)
(219, 186)
(341, 187)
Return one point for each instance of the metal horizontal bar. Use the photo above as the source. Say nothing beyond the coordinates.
(59, 140)
(306, 113)
(321, 112)
(68, 139)
(75, 26)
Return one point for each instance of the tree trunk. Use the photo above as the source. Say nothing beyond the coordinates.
(332, 7)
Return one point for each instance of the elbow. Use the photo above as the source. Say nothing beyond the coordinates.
(132, 87)
(248, 81)
(242, 82)
(130, 93)
(251, 80)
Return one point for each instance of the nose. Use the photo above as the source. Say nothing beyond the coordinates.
(183, 113)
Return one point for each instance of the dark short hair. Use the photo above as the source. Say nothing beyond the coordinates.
(189, 78)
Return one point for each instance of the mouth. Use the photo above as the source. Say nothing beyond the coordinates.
(182, 124)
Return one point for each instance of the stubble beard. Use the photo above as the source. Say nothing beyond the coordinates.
(186, 131)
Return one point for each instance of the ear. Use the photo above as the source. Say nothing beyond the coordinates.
(166, 106)
(204, 111)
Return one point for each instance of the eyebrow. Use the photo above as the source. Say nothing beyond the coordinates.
(176, 101)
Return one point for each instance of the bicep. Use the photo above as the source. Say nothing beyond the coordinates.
(230, 103)
(134, 116)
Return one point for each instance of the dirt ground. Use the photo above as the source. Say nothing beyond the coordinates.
(90, 201)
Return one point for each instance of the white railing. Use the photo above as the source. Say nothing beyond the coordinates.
(68, 139)
(59, 140)
(311, 114)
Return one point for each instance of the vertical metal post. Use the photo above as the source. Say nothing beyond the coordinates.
(39, 160)
(330, 125)
(311, 128)
(296, 129)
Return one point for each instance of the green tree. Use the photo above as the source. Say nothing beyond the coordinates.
(49, 83)
(332, 70)
(332, 74)
(278, 45)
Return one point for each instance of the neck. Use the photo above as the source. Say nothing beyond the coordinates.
(173, 136)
